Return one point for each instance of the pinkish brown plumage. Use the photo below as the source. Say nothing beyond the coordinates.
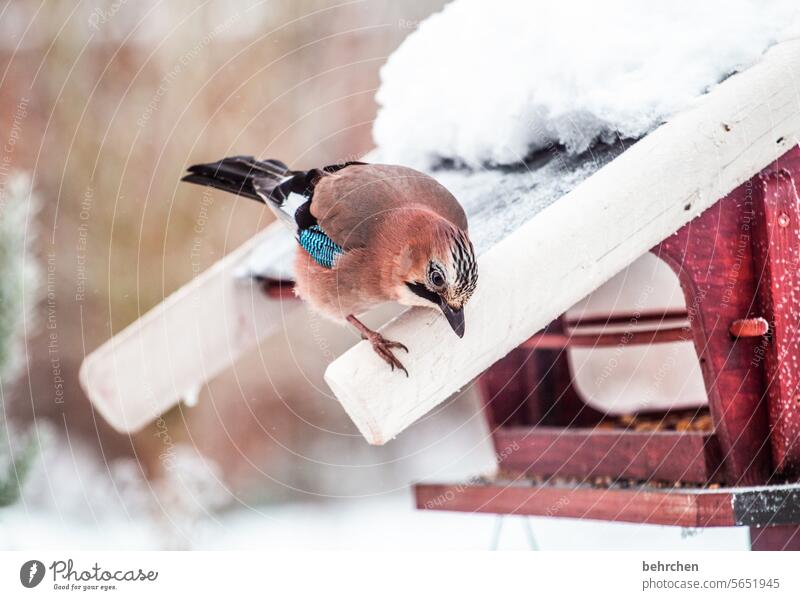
(368, 234)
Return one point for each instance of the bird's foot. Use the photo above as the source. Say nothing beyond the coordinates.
(380, 344)
(383, 348)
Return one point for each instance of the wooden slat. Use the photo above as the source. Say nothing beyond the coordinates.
(558, 341)
(771, 506)
(624, 318)
(638, 505)
(188, 339)
(689, 456)
(278, 288)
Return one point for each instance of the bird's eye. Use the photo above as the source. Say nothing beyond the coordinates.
(437, 279)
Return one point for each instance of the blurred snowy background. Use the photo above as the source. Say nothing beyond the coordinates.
(104, 103)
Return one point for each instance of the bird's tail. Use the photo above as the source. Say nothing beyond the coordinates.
(243, 175)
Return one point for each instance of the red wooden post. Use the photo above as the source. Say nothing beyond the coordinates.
(779, 537)
(776, 246)
(507, 389)
(712, 257)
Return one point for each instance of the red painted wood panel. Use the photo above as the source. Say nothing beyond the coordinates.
(713, 259)
(781, 537)
(685, 509)
(689, 456)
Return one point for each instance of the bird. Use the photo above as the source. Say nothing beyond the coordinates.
(367, 234)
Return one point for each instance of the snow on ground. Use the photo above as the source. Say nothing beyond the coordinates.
(391, 523)
(75, 500)
(72, 496)
(381, 523)
(487, 83)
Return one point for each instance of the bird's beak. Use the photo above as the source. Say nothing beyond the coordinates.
(454, 316)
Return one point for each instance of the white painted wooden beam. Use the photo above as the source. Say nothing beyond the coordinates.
(189, 338)
(580, 241)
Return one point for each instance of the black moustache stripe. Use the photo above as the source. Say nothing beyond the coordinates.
(420, 290)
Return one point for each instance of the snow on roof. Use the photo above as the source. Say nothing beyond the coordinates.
(544, 88)
(487, 84)
(498, 201)
(514, 109)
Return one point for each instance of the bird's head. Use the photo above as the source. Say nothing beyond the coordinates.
(442, 271)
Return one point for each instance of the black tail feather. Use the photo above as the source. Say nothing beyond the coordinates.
(242, 175)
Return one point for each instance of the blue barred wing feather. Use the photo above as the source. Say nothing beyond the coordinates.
(319, 246)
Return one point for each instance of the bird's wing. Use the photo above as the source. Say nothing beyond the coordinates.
(351, 202)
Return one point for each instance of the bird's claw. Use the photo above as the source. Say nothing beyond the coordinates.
(383, 348)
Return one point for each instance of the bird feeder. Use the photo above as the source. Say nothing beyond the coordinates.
(736, 464)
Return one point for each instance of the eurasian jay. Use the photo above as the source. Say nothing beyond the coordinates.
(368, 234)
